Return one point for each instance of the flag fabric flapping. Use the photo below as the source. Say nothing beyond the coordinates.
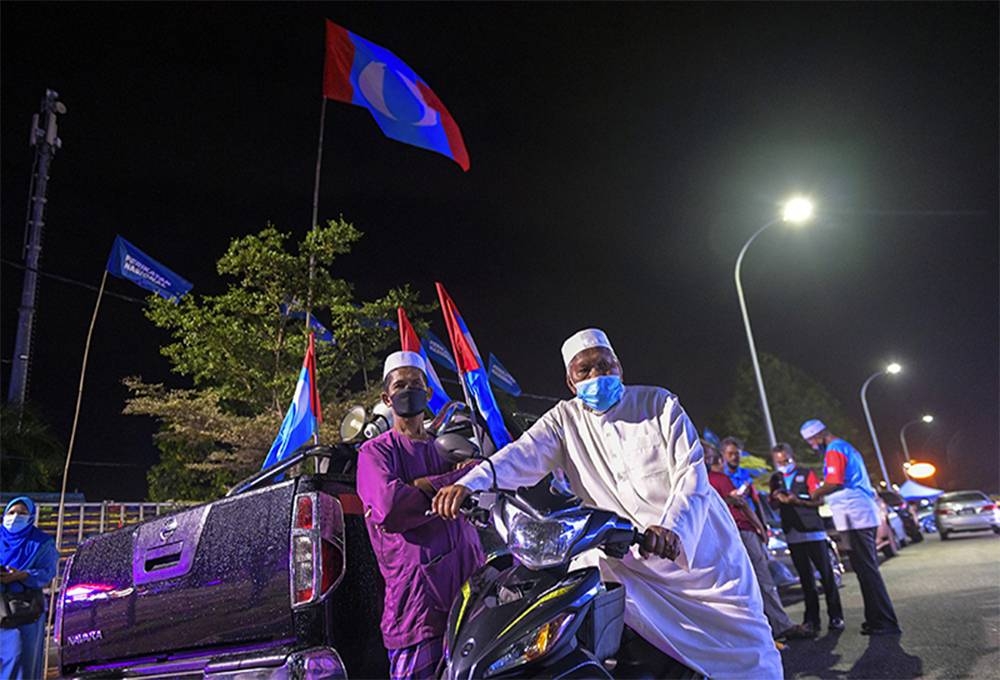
(502, 378)
(359, 72)
(323, 334)
(128, 262)
(711, 438)
(410, 342)
(438, 351)
(304, 415)
(471, 369)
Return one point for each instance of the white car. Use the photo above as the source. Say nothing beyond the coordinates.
(965, 511)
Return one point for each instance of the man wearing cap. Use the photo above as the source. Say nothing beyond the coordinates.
(849, 492)
(423, 559)
(633, 450)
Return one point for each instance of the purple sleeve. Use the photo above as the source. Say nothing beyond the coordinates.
(395, 506)
(448, 478)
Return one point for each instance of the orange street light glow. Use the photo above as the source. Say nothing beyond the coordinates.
(920, 470)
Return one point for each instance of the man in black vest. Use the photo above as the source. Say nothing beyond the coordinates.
(791, 487)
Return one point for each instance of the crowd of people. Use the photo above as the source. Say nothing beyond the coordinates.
(698, 587)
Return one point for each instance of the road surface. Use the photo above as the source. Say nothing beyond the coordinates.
(947, 600)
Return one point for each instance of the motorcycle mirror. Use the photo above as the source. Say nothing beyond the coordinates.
(455, 448)
(353, 423)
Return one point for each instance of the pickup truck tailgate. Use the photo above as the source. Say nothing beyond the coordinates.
(215, 575)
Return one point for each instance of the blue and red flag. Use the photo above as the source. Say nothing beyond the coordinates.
(410, 342)
(471, 369)
(304, 415)
(360, 72)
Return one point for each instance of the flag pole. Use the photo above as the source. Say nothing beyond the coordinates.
(315, 208)
(69, 455)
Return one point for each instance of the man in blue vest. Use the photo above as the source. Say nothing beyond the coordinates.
(791, 495)
(849, 492)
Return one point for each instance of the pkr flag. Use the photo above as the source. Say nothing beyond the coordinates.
(304, 415)
(471, 370)
(360, 72)
(410, 342)
(128, 262)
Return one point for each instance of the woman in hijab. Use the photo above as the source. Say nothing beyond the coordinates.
(29, 560)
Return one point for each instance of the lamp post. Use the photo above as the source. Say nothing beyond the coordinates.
(891, 369)
(902, 433)
(795, 211)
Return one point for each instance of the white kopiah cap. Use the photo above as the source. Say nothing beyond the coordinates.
(585, 339)
(402, 359)
(811, 428)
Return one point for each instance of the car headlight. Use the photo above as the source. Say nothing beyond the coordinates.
(533, 645)
(540, 543)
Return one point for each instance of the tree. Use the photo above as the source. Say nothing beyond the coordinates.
(31, 458)
(793, 397)
(242, 350)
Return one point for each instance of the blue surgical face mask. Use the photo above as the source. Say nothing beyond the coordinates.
(600, 393)
(785, 469)
(14, 522)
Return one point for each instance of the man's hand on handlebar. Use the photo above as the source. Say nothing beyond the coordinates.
(449, 499)
(660, 542)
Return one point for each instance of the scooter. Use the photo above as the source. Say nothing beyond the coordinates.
(525, 614)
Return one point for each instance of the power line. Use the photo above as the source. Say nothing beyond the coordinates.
(72, 282)
(92, 463)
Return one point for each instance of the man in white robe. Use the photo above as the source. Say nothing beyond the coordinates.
(633, 450)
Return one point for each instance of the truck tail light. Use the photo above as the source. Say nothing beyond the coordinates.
(317, 547)
(304, 512)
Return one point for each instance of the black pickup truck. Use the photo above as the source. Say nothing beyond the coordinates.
(277, 580)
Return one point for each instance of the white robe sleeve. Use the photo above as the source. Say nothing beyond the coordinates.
(690, 493)
(523, 462)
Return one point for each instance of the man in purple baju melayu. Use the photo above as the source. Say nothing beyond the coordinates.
(424, 559)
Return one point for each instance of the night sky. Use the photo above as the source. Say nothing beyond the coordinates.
(621, 155)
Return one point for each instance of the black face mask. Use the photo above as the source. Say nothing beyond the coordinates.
(821, 447)
(408, 403)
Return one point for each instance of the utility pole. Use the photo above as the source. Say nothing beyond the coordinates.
(44, 137)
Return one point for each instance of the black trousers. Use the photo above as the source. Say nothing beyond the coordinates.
(807, 556)
(879, 613)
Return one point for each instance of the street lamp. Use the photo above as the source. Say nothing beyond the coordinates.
(797, 210)
(902, 433)
(891, 369)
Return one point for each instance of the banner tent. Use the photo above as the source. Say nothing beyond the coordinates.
(912, 491)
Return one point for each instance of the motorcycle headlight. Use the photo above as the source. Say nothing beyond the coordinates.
(533, 645)
(540, 543)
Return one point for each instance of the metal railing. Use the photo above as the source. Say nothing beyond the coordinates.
(83, 520)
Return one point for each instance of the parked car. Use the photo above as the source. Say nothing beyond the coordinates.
(895, 522)
(886, 538)
(960, 511)
(781, 566)
(907, 514)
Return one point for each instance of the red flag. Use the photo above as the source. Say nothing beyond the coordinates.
(409, 341)
(466, 354)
